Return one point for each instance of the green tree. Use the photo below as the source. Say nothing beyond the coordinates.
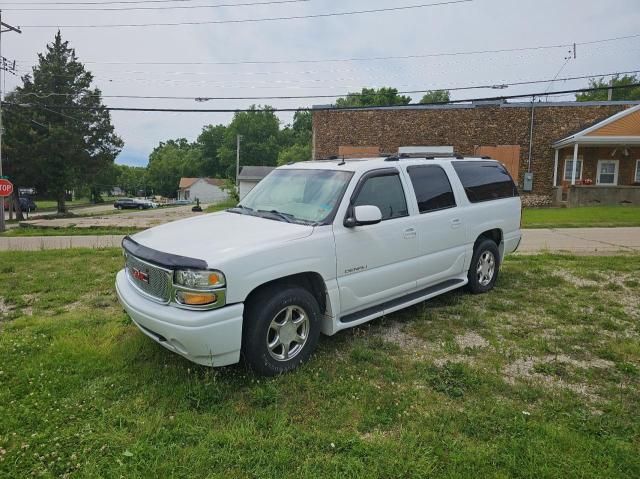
(435, 96)
(169, 162)
(631, 93)
(132, 179)
(210, 140)
(64, 137)
(260, 130)
(384, 96)
(294, 153)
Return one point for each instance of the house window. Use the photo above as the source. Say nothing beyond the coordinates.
(607, 172)
(186, 195)
(568, 169)
(637, 175)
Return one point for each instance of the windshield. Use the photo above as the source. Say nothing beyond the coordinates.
(299, 195)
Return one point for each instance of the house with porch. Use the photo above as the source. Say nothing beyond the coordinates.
(600, 164)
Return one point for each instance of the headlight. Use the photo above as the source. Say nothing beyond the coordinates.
(199, 279)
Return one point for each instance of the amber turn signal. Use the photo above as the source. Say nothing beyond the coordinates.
(196, 299)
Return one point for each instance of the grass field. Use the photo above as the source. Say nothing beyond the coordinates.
(539, 379)
(220, 206)
(68, 231)
(585, 217)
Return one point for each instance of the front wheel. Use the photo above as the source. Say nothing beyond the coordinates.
(281, 329)
(485, 264)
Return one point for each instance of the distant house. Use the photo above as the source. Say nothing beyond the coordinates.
(207, 190)
(116, 191)
(250, 176)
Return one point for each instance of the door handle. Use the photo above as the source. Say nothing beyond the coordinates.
(410, 233)
(456, 223)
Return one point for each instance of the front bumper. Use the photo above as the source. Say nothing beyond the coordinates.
(210, 338)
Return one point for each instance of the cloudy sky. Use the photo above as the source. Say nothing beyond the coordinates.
(186, 60)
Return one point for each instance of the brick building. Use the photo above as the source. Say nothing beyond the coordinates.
(505, 131)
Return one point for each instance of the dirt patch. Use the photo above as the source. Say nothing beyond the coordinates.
(5, 307)
(573, 279)
(394, 333)
(471, 340)
(526, 369)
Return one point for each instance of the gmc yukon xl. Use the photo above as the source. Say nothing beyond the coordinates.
(317, 247)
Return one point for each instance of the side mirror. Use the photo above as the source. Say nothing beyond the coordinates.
(364, 215)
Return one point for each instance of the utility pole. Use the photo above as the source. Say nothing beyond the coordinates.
(610, 90)
(238, 138)
(9, 28)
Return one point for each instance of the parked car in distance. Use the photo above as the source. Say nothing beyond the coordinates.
(131, 203)
(26, 204)
(318, 247)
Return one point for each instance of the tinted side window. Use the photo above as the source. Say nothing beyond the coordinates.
(485, 180)
(386, 193)
(432, 188)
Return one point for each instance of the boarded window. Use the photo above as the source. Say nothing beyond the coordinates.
(508, 155)
(347, 151)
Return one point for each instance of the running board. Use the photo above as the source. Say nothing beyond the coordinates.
(408, 298)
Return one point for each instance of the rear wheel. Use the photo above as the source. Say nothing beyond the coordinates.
(485, 264)
(140, 207)
(281, 329)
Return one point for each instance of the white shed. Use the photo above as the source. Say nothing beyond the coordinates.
(250, 176)
(207, 190)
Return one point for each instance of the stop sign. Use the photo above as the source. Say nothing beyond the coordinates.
(6, 187)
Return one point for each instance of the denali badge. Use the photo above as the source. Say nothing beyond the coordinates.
(140, 275)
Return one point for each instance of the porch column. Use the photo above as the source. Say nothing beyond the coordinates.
(575, 164)
(555, 169)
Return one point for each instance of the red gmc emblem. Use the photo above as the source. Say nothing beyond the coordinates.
(140, 275)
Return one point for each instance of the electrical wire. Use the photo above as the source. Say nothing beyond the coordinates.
(164, 7)
(362, 59)
(255, 20)
(326, 108)
(300, 97)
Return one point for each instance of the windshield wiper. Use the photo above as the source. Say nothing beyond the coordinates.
(241, 209)
(283, 216)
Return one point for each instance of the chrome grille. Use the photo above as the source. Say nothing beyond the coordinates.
(158, 286)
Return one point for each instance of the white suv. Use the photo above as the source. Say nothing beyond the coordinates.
(318, 246)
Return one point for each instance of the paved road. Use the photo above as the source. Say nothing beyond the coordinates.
(572, 240)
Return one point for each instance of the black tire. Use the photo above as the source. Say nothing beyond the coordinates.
(269, 306)
(484, 249)
(140, 207)
(119, 207)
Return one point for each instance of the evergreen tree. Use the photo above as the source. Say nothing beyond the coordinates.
(61, 136)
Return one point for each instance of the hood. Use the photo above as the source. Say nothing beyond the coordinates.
(219, 236)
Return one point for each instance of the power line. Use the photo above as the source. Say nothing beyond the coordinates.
(300, 97)
(325, 108)
(255, 20)
(163, 7)
(112, 2)
(362, 59)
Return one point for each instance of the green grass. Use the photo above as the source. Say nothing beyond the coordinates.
(539, 379)
(583, 217)
(69, 231)
(220, 206)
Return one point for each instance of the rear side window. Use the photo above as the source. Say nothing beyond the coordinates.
(386, 193)
(485, 180)
(432, 188)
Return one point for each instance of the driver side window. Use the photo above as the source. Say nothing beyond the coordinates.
(386, 193)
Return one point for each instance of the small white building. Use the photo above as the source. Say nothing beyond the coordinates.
(250, 176)
(207, 190)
